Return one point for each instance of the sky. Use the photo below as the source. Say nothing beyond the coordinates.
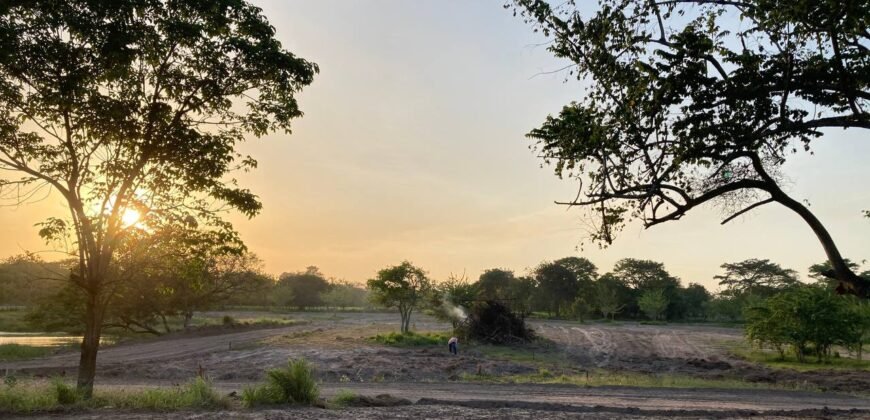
(412, 148)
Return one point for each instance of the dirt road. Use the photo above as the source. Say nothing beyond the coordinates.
(489, 401)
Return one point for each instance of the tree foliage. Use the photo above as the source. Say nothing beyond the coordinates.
(685, 105)
(556, 285)
(584, 271)
(695, 299)
(26, 280)
(642, 276)
(495, 283)
(160, 275)
(806, 320)
(307, 287)
(611, 296)
(342, 294)
(653, 303)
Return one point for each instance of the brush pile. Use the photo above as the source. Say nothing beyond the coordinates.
(494, 323)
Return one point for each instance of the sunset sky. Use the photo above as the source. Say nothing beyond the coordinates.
(412, 147)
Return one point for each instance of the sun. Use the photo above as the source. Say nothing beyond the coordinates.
(130, 217)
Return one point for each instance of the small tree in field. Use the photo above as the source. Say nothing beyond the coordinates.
(653, 303)
(403, 287)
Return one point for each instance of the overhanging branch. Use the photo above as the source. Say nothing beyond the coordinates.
(758, 204)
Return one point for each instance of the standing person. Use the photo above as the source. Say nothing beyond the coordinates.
(452, 345)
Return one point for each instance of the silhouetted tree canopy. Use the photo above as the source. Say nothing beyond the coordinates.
(494, 284)
(696, 102)
(557, 286)
(585, 272)
(755, 277)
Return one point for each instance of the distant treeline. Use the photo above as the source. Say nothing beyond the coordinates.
(570, 287)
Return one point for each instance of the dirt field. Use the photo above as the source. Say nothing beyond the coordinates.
(430, 376)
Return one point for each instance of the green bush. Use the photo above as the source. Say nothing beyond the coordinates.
(292, 384)
(411, 339)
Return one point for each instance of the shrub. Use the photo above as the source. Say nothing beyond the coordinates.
(64, 393)
(292, 384)
(228, 320)
(807, 319)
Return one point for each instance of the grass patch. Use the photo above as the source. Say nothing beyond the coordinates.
(537, 352)
(775, 361)
(293, 384)
(344, 398)
(58, 395)
(411, 339)
(21, 352)
(597, 378)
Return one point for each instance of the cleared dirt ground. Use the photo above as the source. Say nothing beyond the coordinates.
(344, 359)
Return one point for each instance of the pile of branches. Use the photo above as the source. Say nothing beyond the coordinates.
(493, 322)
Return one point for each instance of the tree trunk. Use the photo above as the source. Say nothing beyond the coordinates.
(849, 281)
(188, 316)
(403, 325)
(90, 347)
(408, 320)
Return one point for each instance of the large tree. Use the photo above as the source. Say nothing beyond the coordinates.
(136, 106)
(698, 102)
(494, 284)
(556, 286)
(307, 287)
(585, 272)
(643, 276)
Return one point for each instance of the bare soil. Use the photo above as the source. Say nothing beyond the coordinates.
(693, 350)
(345, 359)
